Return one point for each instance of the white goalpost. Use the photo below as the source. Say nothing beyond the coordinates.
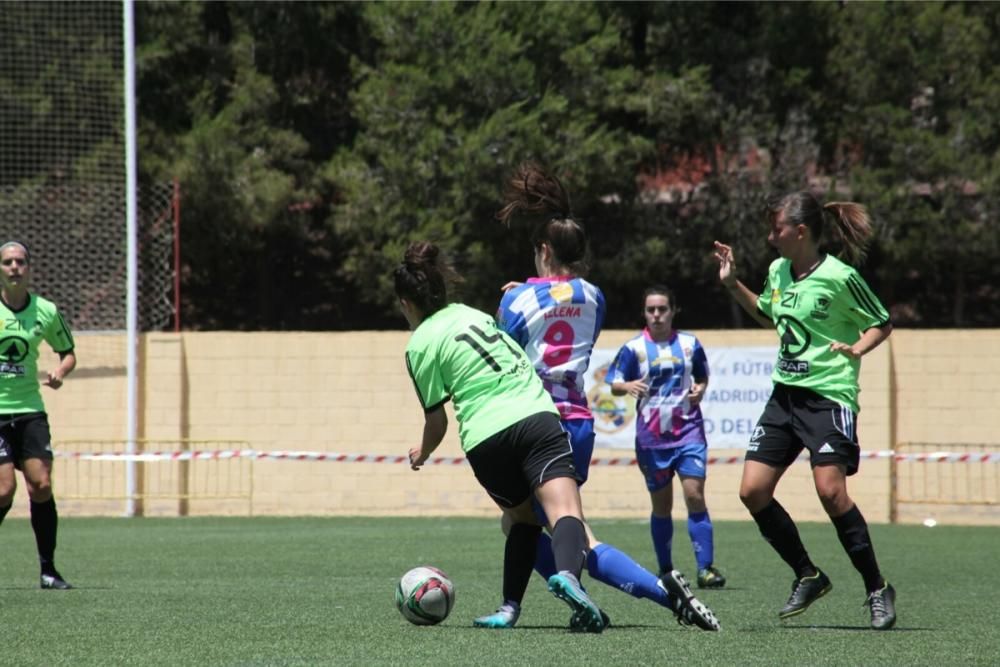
(131, 301)
(101, 245)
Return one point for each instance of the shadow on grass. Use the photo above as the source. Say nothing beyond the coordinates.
(563, 628)
(51, 591)
(851, 627)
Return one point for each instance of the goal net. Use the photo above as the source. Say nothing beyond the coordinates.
(62, 171)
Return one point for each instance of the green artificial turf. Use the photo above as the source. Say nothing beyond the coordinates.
(319, 591)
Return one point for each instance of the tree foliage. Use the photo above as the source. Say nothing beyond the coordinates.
(313, 141)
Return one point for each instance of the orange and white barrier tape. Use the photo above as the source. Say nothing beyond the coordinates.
(333, 457)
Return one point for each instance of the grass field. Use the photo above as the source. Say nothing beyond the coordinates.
(275, 591)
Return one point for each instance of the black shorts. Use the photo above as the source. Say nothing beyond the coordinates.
(511, 464)
(24, 436)
(796, 418)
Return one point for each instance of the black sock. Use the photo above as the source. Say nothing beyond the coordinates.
(44, 522)
(569, 545)
(852, 529)
(4, 510)
(519, 560)
(780, 532)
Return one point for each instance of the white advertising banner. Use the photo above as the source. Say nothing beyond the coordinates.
(738, 388)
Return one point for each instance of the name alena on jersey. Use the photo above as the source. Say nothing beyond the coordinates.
(563, 311)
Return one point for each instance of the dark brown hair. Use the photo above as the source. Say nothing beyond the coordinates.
(853, 226)
(661, 290)
(423, 276)
(535, 194)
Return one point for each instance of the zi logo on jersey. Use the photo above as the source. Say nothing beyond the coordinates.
(820, 311)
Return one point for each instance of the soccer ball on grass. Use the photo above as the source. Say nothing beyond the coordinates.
(425, 595)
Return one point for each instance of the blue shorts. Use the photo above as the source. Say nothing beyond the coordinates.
(581, 437)
(659, 465)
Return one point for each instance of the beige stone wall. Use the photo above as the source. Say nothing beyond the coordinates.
(349, 393)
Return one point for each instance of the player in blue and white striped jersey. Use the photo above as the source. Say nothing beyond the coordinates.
(666, 371)
(556, 317)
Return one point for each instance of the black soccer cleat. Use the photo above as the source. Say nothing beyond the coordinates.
(805, 591)
(687, 609)
(710, 578)
(882, 604)
(54, 581)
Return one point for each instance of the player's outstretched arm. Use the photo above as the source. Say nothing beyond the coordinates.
(744, 296)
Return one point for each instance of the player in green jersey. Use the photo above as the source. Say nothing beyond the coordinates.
(25, 442)
(827, 318)
(508, 427)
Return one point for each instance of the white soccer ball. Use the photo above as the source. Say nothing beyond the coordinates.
(425, 595)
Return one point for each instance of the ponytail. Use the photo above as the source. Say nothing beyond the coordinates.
(853, 228)
(536, 195)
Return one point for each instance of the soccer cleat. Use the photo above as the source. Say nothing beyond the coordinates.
(688, 609)
(882, 604)
(710, 578)
(805, 591)
(587, 616)
(504, 617)
(576, 623)
(54, 581)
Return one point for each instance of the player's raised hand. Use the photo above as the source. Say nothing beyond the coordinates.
(727, 264)
(510, 285)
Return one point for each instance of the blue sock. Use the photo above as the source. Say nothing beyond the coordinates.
(617, 569)
(662, 529)
(545, 560)
(700, 530)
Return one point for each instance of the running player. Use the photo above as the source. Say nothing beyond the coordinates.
(556, 318)
(827, 319)
(666, 371)
(25, 442)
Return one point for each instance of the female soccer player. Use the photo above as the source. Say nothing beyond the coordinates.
(556, 318)
(508, 428)
(25, 443)
(827, 319)
(666, 371)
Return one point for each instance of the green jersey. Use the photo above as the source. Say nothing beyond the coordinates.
(22, 334)
(832, 303)
(458, 353)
